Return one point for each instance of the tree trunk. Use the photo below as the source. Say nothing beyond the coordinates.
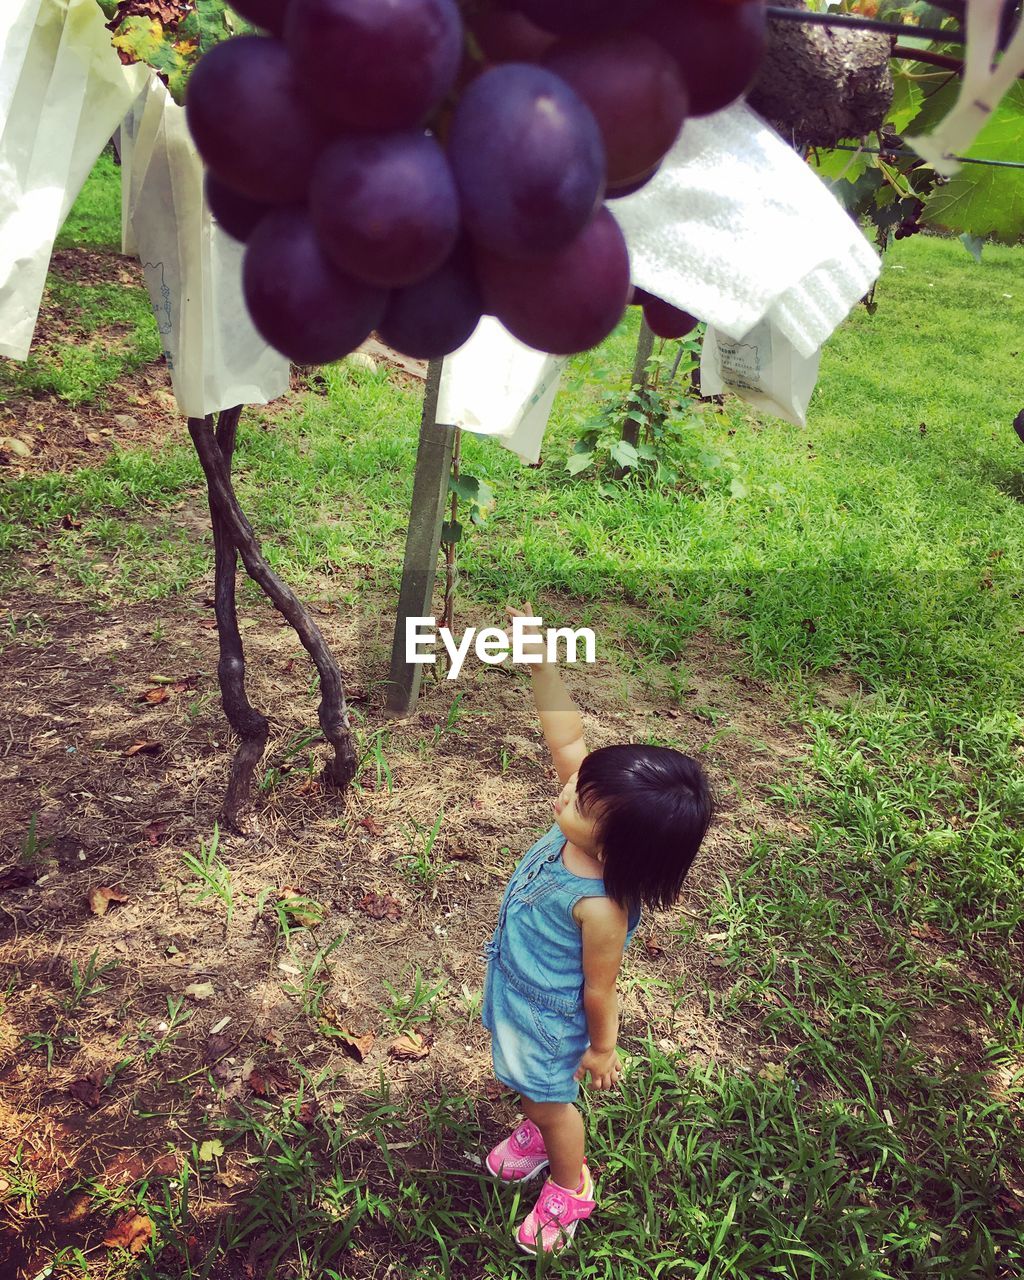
(234, 535)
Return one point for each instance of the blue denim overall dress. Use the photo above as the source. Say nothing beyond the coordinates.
(533, 992)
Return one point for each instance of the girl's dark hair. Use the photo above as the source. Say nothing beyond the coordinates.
(652, 807)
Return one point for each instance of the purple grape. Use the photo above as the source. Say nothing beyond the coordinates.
(527, 159)
(617, 193)
(718, 46)
(268, 14)
(635, 91)
(506, 36)
(302, 305)
(385, 206)
(376, 65)
(435, 317)
(249, 122)
(234, 213)
(665, 320)
(566, 303)
(575, 17)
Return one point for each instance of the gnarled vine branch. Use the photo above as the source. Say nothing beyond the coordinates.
(233, 537)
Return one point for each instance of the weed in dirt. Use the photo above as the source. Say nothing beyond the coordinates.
(300, 744)
(314, 978)
(372, 747)
(213, 875)
(158, 1039)
(33, 846)
(85, 982)
(425, 864)
(414, 1007)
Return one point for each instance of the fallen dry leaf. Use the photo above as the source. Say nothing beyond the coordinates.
(131, 1231)
(154, 832)
(160, 694)
(69, 522)
(289, 667)
(200, 990)
(144, 748)
(216, 1047)
(17, 877)
(368, 824)
(87, 1089)
(381, 908)
(410, 1047)
(354, 1046)
(652, 948)
(308, 1112)
(269, 1082)
(303, 910)
(102, 896)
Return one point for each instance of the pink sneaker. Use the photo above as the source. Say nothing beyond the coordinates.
(552, 1222)
(520, 1157)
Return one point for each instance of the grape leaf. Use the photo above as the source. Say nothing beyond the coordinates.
(907, 98)
(982, 200)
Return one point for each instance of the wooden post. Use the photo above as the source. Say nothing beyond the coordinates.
(422, 543)
(644, 347)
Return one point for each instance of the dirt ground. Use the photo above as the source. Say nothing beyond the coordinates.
(113, 759)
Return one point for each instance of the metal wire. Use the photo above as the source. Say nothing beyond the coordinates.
(865, 24)
(904, 151)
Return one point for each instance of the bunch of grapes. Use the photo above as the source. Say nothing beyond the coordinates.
(407, 166)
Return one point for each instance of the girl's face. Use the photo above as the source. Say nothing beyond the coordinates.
(575, 826)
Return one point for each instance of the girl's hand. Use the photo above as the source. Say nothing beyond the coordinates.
(533, 637)
(605, 1068)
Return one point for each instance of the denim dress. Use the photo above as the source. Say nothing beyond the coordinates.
(533, 992)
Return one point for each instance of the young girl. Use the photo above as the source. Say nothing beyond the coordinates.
(628, 822)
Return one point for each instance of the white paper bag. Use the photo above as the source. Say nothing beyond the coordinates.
(63, 90)
(193, 269)
(494, 385)
(763, 368)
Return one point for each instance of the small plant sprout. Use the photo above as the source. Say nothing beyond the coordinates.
(314, 981)
(412, 1009)
(211, 872)
(85, 981)
(424, 862)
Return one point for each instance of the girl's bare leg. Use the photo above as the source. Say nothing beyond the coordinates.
(562, 1127)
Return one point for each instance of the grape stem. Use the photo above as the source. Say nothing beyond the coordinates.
(237, 538)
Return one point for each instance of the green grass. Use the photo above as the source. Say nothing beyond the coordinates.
(95, 218)
(865, 550)
(105, 330)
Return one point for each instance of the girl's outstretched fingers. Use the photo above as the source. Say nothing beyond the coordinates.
(605, 1069)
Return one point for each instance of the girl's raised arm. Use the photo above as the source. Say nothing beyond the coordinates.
(559, 718)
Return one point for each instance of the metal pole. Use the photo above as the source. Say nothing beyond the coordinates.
(422, 543)
(644, 347)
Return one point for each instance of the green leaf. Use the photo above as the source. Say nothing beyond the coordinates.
(484, 495)
(211, 1148)
(578, 462)
(982, 200)
(146, 40)
(647, 452)
(737, 488)
(907, 98)
(835, 166)
(624, 453)
(467, 488)
(451, 532)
